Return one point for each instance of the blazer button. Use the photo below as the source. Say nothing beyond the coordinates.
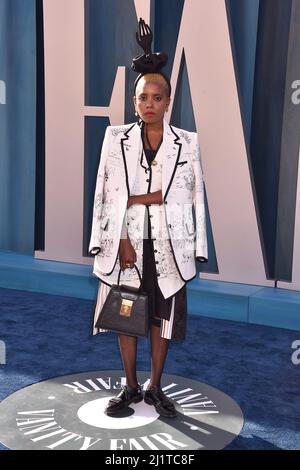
(155, 251)
(156, 262)
(170, 225)
(148, 180)
(166, 202)
(157, 274)
(151, 215)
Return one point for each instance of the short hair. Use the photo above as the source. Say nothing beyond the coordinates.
(155, 76)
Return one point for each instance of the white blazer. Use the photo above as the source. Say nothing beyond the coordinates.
(179, 236)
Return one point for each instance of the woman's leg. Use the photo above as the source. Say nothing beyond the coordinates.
(159, 351)
(128, 349)
(154, 394)
(132, 392)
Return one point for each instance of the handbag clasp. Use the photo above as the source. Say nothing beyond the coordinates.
(126, 307)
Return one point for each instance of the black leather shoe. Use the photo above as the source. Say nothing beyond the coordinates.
(126, 396)
(164, 407)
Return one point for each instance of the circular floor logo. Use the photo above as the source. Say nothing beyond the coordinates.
(67, 413)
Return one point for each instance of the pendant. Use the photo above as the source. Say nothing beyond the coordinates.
(154, 163)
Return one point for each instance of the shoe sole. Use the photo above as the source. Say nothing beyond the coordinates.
(150, 402)
(135, 400)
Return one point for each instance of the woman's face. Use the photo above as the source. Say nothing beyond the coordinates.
(151, 101)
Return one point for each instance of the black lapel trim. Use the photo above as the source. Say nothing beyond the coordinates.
(143, 156)
(142, 160)
(150, 179)
(175, 166)
(127, 182)
(123, 153)
(172, 177)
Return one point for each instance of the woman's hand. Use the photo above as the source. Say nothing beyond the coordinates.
(156, 197)
(146, 199)
(130, 201)
(127, 254)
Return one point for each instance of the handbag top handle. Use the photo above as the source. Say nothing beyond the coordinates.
(141, 282)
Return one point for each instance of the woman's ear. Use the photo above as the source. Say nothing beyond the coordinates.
(134, 102)
(168, 103)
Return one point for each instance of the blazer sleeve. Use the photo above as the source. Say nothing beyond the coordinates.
(94, 245)
(199, 205)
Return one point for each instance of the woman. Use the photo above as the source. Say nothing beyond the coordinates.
(149, 179)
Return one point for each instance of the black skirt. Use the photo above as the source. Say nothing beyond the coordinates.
(158, 305)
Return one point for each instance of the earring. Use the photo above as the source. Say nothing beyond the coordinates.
(136, 114)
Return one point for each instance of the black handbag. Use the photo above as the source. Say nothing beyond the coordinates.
(125, 309)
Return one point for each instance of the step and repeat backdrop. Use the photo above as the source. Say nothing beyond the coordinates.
(65, 75)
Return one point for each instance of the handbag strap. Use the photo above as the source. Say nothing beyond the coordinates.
(137, 270)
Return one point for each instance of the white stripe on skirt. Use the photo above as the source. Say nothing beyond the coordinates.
(166, 328)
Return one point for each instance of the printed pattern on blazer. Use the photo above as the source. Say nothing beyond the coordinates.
(179, 223)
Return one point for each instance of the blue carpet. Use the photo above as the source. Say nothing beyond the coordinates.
(48, 335)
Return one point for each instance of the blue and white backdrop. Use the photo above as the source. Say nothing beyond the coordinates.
(235, 72)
